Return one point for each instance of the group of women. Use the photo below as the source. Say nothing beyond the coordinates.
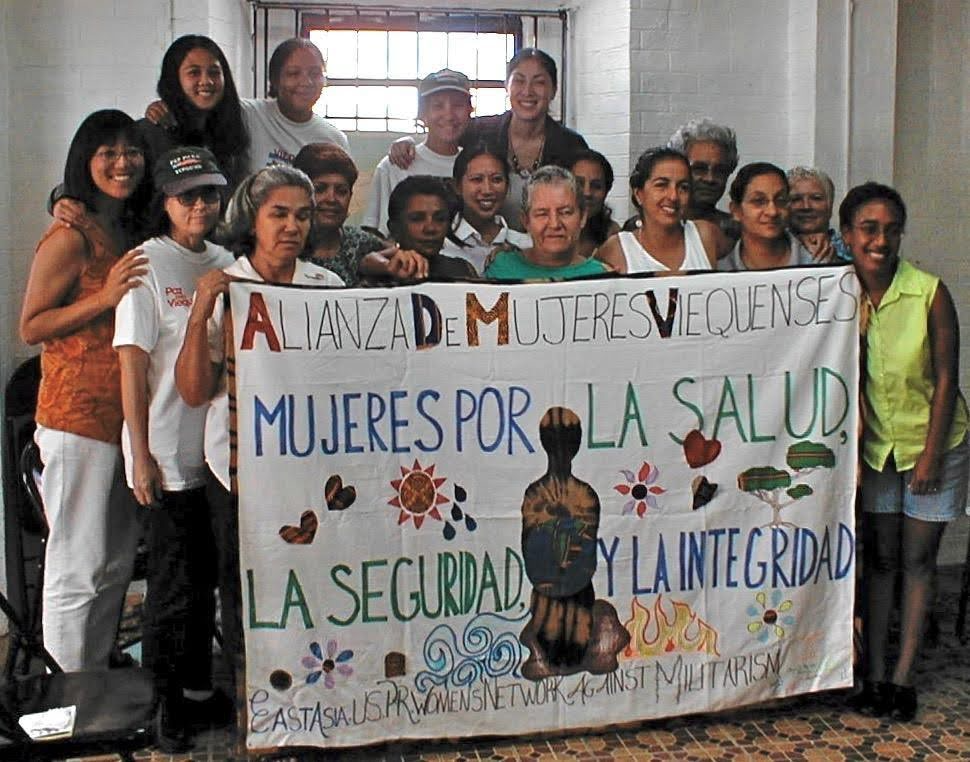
(124, 294)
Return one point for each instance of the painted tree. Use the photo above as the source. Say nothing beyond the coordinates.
(775, 487)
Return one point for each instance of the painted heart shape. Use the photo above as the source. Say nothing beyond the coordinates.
(703, 492)
(339, 497)
(700, 451)
(303, 534)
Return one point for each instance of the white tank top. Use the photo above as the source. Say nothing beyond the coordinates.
(638, 259)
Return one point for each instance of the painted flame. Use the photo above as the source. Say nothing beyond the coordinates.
(657, 632)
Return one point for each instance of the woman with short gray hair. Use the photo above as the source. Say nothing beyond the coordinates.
(553, 213)
(811, 197)
(712, 153)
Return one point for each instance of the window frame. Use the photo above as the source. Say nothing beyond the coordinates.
(310, 16)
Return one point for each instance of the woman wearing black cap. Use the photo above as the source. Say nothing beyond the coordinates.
(162, 441)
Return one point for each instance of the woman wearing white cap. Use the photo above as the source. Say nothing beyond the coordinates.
(444, 107)
(162, 441)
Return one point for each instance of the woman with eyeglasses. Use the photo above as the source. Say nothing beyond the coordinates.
(76, 280)
(759, 203)
(162, 441)
(916, 460)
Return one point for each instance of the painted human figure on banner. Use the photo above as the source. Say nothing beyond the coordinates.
(569, 631)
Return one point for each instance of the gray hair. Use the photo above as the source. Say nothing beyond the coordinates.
(810, 173)
(705, 131)
(552, 174)
(236, 230)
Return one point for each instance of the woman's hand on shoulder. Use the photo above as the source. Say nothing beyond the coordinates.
(124, 275)
(72, 213)
(157, 113)
(402, 152)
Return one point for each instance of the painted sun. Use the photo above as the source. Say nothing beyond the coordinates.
(417, 494)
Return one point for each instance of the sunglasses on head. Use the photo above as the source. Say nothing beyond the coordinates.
(209, 194)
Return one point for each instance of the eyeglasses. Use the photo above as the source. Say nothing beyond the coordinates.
(208, 193)
(874, 229)
(111, 155)
(704, 168)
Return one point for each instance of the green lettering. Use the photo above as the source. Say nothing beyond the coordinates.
(366, 591)
(345, 570)
(254, 623)
(755, 436)
(727, 391)
(412, 596)
(631, 412)
(590, 427)
(693, 408)
(489, 582)
(295, 598)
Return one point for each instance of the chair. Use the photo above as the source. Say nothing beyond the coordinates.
(22, 534)
(115, 708)
(34, 523)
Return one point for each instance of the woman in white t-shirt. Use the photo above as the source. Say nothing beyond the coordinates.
(266, 225)
(279, 126)
(162, 440)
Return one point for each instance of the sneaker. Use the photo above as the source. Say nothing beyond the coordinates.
(214, 712)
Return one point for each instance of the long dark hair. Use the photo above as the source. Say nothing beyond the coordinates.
(597, 226)
(223, 131)
(105, 127)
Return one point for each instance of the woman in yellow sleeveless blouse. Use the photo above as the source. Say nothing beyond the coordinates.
(915, 453)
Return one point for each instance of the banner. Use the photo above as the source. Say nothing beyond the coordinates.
(497, 509)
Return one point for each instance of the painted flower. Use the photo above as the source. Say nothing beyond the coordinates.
(769, 616)
(641, 489)
(325, 666)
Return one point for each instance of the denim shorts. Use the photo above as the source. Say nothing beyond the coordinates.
(888, 491)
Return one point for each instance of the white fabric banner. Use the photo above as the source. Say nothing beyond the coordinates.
(500, 509)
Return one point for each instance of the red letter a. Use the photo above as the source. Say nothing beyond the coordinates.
(258, 320)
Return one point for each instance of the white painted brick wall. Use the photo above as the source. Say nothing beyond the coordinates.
(601, 91)
(932, 149)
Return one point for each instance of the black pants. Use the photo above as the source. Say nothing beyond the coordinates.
(179, 614)
(224, 509)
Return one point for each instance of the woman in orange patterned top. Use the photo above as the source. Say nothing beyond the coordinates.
(76, 279)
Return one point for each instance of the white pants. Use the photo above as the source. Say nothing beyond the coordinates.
(90, 547)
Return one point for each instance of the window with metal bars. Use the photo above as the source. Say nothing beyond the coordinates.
(376, 56)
